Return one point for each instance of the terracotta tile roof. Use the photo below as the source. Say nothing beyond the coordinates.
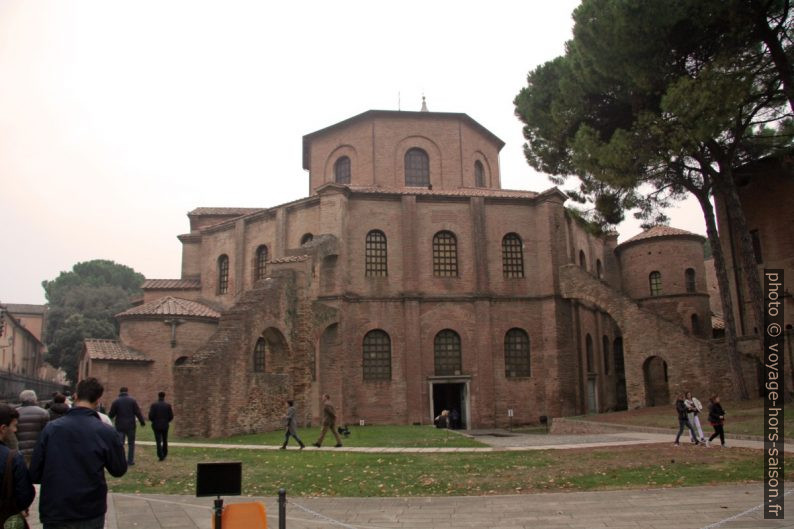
(22, 308)
(112, 350)
(171, 284)
(171, 306)
(224, 211)
(291, 259)
(659, 231)
(462, 192)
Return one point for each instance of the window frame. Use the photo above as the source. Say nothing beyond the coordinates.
(655, 283)
(512, 256)
(445, 254)
(517, 353)
(447, 353)
(376, 254)
(378, 366)
(260, 262)
(341, 164)
(416, 164)
(479, 174)
(259, 362)
(223, 274)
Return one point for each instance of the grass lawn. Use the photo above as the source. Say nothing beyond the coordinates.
(330, 473)
(385, 436)
(742, 417)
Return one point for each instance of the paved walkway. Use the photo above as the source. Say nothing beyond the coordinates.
(724, 507)
(501, 441)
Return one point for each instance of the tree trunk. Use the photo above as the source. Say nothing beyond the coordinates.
(776, 51)
(725, 296)
(749, 268)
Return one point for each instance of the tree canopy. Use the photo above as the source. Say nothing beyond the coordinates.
(82, 303)
(658, 99)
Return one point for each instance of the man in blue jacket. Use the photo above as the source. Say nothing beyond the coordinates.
(124, 410)
(160, 416)
(23, 491)
(70, 461)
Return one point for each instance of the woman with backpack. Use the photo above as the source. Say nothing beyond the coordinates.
(717, 420)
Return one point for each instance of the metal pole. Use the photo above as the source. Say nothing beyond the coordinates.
(282, 509)
(218, 510)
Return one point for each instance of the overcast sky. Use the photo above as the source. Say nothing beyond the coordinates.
(116, 119)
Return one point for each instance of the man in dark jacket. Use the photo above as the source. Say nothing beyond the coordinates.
(70, 461)
(125, 409)
(329, 422)
(160, 415)
(32, 420)
(683, 420)
(22, 484)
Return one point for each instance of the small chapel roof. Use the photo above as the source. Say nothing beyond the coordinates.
(660, 231)
(98, 349)
(24, 308)
(171, 306)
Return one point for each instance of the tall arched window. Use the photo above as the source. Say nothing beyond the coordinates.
(512, 256)
(655, 282)
(447, 353)
(479, 174)
(605, 352)
(517, 353)
(590, 358)
(375, 254)
(599, 269)
(417, 168)
(307, 237)
(261, 262)
(582, 260)
(689, 280)
(445, 254)
(342, 170)
(223, 274)
(376, 351)
(695, 324)
(259, 356)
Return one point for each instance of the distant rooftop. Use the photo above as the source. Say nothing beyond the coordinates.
(171, 284)
(171, 306)
(112, 350)
(660, 231)
(231, 212)
(23, 308)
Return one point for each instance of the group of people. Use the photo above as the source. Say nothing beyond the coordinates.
(329, 423)
(67, 450)
(689, 409)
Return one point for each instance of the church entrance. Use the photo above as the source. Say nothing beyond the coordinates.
(453, 396)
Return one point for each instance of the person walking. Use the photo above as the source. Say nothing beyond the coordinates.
(18, 497)
(683, 420)
(58, 408)
(329, 422)
(717, 420)
(694, 407)
(291, 426)
(124, 410)
(160, 415)
(70, 460)
(32, 420)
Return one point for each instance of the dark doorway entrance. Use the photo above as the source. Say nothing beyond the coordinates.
(450, 397)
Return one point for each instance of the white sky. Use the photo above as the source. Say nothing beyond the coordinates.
(116, 119)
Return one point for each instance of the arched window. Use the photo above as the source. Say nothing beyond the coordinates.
(376, 351)
(261, 262)
(223, 274)
(479, 174)
(447, 353)
(517, 353)
(342, 170)
(605, 352)
(445, 254)
(259, 356)
(589, 354)
(512, 256)
(655, 282)
(375, 256)
(417, 168)
(582, 260)
(180, 361)
(307, 237)
(599, 269)
(689, 280)
(695, 324)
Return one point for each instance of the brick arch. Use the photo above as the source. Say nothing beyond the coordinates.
(342, 150)
(277, 350)
(644, 334)
(433, 153)
(655, 375)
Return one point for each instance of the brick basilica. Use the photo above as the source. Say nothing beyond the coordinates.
(408, 282)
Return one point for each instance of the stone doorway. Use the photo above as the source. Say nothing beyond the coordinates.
(654, 371)
(451, 395)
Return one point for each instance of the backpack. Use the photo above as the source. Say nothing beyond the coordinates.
(8, 502)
